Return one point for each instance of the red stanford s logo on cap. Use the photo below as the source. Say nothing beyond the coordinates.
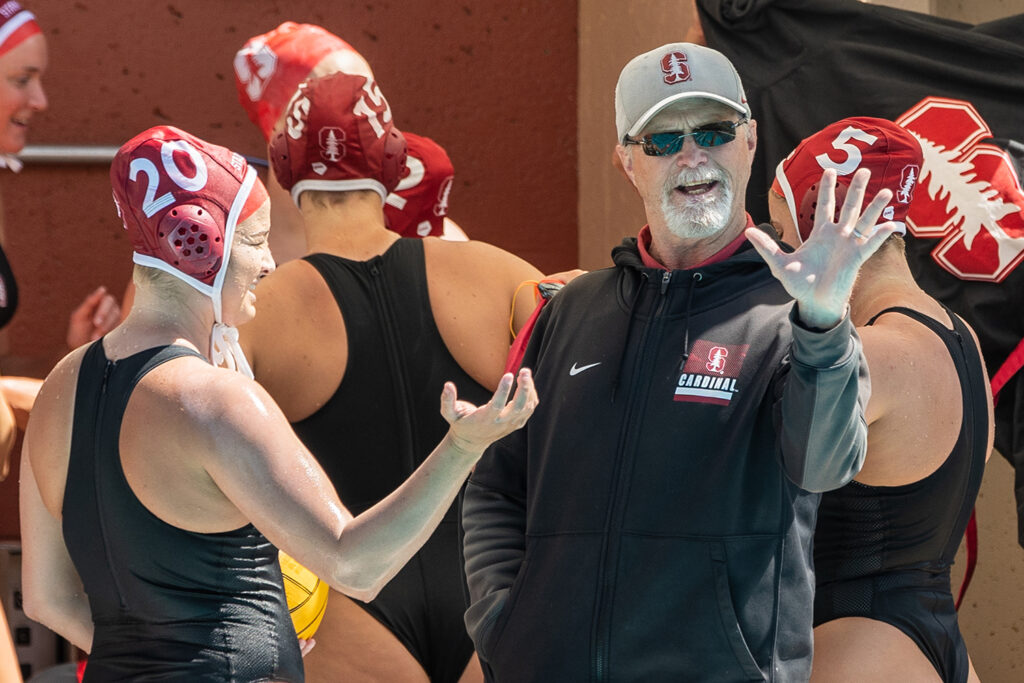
(331, 143)
(339, 137)
(671, 76)
(254, 67)
(441, 208)
(674, 66)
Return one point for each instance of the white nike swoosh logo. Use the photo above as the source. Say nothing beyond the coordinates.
(573, 371)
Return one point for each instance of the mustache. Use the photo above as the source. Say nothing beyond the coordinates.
(693, 176)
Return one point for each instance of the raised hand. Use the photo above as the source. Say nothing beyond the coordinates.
(820, 274)
(474, 428)
(94, 317)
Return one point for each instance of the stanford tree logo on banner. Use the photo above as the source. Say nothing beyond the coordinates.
(971, 199)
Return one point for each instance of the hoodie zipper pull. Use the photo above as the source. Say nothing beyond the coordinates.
(666, 277)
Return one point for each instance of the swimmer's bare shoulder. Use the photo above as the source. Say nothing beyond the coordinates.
(230, 430)
(294, 310)
(472, 286)
(201, 406)
(478, 262)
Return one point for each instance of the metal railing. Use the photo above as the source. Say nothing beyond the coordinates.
(85, 154)
(68, 154)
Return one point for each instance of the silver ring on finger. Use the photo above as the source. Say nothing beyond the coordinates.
(858, 233)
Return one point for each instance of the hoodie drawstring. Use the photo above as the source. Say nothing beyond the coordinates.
(694, 279)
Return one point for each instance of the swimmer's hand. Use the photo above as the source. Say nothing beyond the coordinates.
(473, 429)
(306, 645)
(94, 317)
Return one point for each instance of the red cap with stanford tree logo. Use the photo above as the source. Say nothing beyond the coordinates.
(890, 152)
(268, 71)
(269, 68)
(180, 199)
(419, 203)
(338, 136)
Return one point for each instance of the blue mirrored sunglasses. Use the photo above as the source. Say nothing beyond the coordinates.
(708, 135)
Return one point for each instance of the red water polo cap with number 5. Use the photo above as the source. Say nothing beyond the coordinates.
(269, 68)
(889, 151)
(338, 136)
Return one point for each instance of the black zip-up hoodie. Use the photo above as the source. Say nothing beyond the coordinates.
(653, 520)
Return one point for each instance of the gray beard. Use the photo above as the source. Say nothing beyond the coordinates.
(697, 220)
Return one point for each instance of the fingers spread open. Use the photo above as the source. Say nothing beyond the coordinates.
(873, 211)
(525, 391)
(854, 199)
(500, 397)
(826, 208)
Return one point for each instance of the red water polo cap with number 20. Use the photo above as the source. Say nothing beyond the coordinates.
(180, 199)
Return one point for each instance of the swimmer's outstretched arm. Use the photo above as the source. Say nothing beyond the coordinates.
(223, 433)
(257, 461)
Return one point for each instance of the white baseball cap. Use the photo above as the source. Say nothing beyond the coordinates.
(677, 71)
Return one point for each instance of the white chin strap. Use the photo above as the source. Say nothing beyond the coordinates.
(225, 350)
